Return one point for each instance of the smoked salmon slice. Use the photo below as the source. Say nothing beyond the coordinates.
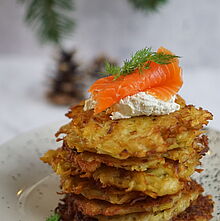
(160, 80)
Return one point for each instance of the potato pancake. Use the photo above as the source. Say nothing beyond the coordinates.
(167, 178)
(63, 160)
(93, 190)
(199, 210)
(163, 208)
(133, 137)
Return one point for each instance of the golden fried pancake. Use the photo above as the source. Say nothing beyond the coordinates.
(165, 179)
(63, 160)
(89, 162)
(200, 210)
(93, 190)
(133, 137)
(156, 183)
(161, 209)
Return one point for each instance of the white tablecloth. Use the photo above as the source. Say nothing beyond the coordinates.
(24, 107)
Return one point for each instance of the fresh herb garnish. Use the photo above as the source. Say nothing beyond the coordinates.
(54, 217)
(140, 60)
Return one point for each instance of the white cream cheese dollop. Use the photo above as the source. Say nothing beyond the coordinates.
(138, 105)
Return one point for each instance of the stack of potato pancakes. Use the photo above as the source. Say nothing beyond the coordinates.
(135, 169)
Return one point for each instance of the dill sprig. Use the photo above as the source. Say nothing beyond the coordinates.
(54, 217)
(140, 60)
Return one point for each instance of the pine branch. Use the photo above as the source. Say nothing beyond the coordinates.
(50, 19)
(147, 5)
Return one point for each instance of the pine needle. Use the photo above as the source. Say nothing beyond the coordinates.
(50, 19)
(147, 5)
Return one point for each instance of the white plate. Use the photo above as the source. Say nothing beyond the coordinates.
(23, 184)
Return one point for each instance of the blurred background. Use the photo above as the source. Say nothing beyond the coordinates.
(42, 72)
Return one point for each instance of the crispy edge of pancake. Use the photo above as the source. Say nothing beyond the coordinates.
(98, 133)
(199, 210)
(96, 207)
